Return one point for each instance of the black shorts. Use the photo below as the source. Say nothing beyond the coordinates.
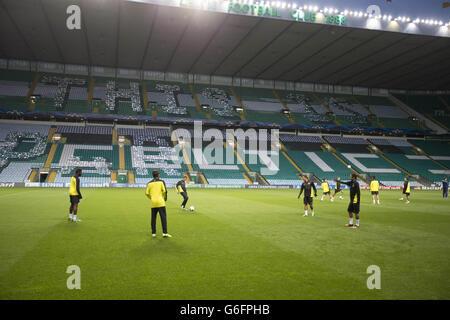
(407, 193)
(337, 190)
(353, 207)
(328, 192)
(374, 192)
(307, 200)
(74, 199)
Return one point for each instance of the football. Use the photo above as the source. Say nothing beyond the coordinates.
(191, 208)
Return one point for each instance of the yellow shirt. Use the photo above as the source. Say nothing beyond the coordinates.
(325, 187)
(355, 199)
(408, 189)
(156, 191)
(73, 187)
(374, 185)
(180, 189)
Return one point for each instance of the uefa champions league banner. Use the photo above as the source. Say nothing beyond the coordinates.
(128, 185)
(252, 186)
(60, 185)
(191, 186)
(119, 185)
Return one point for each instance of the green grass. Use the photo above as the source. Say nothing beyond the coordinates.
(239, 244)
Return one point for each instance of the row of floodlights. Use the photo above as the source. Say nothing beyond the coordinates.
(283, 4)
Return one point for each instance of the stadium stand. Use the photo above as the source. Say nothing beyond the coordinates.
(104, 152)
(23, 91)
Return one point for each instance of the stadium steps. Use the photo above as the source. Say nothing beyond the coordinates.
(188, 176)
(335, 120)
(185, 155)
(33, 175)
(91, 93)
(428, 156)
(131, 176)
(33, 86)
(261, 180)
(50, 156)
(247, 177)
(121, 157)
(51, 176)
(51, 132)
(327, 147)
(203, 178)
(114, 136)
(186, 159)
(379, 123)
(284, 106)
(114, 176)
(236, 97)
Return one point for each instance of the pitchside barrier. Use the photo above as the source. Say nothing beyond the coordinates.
(190, 186)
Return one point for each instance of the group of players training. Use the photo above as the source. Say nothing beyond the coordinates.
(156, 191)
(355, 194)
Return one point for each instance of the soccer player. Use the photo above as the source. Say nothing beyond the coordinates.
(374, 189)
(326, 190)
(406, 190)
(75, 195)
(307, 198)
(445, 188)
(338, 189)
(353, 206)
(156, 191)
(181, 189)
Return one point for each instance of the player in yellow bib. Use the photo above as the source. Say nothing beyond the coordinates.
(326, 190)
(156, 191)
(406, 190)
(75, 196)
(374, 189)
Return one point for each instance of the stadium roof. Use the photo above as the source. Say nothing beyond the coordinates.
(122, 34)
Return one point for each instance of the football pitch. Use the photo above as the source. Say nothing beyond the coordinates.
(238, 244)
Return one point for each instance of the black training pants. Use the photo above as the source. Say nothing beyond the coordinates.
(162, 214)
(186, 198)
